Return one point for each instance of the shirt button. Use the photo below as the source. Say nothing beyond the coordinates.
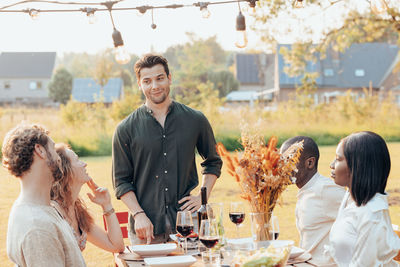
(166, 189)
(165, 171)
(165, 154)
(166, 206)
(163, 136)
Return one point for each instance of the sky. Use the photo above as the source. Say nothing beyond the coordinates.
(71, 32)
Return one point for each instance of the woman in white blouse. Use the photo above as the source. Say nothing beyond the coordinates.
(362, 234)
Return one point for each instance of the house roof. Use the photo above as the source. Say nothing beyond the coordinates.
(247, 70)
(86, 90)
(27, 64)
(355, 68)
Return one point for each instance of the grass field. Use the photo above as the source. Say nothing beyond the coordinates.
(226, 190)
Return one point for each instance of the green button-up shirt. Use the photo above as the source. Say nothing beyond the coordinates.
(158, 164)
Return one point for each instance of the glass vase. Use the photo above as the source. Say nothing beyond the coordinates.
(260, 226)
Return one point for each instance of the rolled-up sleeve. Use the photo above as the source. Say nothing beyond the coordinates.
(122, 168)
(206, 146)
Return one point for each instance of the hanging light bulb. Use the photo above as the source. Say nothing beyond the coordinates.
(34, 13)
(298, 3)
(252, 5)
(241, 35)
(141, 10)
(121, 55)
(92, 19)
(153, 25)
(205, 13)
(378, 6)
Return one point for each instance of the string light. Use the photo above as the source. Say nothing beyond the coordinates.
(298, 3)
(141, 10)
(378, 6)
(252, 5)
(241, 35)
(121, 54)
(33, 13)
(205, 13)
(92, 19)
(153, 25)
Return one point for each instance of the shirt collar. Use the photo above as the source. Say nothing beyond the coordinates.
(378, 202)
(310, 183)
(150, 111)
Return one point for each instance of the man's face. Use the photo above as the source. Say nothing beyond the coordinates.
(53, 160)
(155, 84)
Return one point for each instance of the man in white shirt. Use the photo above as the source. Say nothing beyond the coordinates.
(37, 235)
(318, 200)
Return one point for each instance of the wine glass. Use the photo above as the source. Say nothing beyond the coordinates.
(236, 214)
(274, 227)
(184, 225)
(208, 234)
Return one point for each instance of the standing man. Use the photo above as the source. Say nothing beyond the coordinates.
(318, 200)
(154, 168)
(37, 235)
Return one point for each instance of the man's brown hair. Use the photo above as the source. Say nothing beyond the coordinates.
(148, 61)
(19, 145)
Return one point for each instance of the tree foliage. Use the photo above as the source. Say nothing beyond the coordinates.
(60, 87)
(197, 62)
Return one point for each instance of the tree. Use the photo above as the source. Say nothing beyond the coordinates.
(60, 87)
(224, 81)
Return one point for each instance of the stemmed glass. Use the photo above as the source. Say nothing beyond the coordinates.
(184, 225)
(208, 234)
(236, 214)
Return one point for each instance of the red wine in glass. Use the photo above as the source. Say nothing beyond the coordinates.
(236, 217)
(184, 224)
(184, 230)
(209, 242)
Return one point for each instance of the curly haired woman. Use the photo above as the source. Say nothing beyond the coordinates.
(65, 198)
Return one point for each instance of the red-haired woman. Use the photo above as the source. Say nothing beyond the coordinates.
(65, 198)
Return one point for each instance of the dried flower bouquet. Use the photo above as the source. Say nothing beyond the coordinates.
(262, 172)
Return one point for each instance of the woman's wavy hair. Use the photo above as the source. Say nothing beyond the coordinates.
(61, 191)
(368, 160)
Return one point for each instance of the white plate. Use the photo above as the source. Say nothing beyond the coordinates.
(172, 261)
(295, 252)
(153, 250)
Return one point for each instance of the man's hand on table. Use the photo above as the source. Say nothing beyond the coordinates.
(192, 203)
(144, 227)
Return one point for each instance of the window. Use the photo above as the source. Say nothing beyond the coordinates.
(328, 72)
(359, 73)
(35, 85)
(7, 85)
(32, 85)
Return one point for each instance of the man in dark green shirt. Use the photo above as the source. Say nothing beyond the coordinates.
(154, 167)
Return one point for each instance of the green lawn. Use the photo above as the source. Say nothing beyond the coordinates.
(226, 190)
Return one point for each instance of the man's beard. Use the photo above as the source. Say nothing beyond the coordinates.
(54, 167)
